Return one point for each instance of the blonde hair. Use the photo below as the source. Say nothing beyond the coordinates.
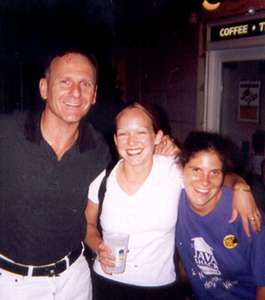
(147, 108)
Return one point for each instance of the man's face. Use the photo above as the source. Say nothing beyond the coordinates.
(69, 89)
(203, 179)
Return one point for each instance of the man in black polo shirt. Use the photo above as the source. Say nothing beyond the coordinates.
(47, 161)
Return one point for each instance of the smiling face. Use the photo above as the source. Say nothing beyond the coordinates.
(135, 138)
(203, 179)
(69, 88)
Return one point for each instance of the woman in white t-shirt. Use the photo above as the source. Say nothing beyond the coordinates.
(141, 200)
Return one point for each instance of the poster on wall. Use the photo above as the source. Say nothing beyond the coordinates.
(249, 101)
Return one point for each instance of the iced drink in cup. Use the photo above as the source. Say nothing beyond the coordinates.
(118, 243)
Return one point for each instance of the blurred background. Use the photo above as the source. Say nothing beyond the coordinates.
(167, 52)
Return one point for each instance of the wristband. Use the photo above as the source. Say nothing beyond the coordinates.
(242, 188)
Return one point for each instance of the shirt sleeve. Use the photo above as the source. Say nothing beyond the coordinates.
(258, 257)
(94, 187)
(176, 172)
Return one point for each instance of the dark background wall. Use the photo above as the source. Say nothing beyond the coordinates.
(146, 50)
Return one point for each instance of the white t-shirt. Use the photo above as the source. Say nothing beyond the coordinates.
(149, 217)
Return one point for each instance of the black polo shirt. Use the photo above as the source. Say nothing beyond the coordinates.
(42, 200)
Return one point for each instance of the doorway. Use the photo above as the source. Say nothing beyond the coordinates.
(226, 70)
(231, 72)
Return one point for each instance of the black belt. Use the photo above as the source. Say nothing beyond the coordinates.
(47, 270)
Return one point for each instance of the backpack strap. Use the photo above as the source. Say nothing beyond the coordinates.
(102, 191)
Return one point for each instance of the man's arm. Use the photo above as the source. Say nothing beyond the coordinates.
(167, 147)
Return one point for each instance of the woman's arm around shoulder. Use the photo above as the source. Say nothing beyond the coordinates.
(260, 293)
(243, 203)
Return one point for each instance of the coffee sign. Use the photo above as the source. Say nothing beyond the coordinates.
(238, 30)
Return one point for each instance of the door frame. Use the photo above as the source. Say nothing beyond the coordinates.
(214, 80)
(217, 53)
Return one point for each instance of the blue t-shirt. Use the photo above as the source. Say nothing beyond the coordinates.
(220, 260)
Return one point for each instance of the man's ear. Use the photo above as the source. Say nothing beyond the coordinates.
(95, 95)
(115, 139)
(158, 137)
(43, 88)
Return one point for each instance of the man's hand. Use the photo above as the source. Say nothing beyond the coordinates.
(167, 147)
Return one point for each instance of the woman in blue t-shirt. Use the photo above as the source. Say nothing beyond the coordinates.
(220, 260)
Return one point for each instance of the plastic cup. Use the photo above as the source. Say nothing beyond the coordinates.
(118, 243)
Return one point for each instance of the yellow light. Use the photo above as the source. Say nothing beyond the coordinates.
(209, 6)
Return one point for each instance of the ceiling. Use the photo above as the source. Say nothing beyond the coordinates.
(28, 25)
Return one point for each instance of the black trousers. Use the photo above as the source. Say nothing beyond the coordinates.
(105, 289)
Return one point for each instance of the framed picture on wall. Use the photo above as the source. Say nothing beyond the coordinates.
(249, 101)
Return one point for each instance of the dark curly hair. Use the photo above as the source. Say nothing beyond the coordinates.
(198, 141)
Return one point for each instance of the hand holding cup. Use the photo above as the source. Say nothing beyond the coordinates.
(105, 257)
(118, 243)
